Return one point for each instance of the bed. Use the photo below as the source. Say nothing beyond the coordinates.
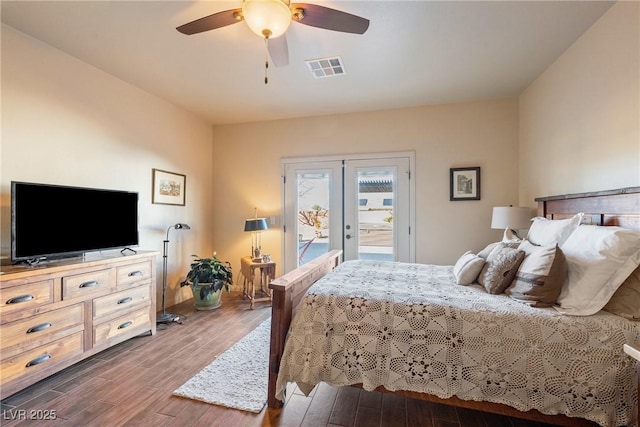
(422, 335)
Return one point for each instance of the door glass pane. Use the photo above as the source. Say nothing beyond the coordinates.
(375, 213)
(313, 215)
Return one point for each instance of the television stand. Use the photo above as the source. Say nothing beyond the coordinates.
(58, 313)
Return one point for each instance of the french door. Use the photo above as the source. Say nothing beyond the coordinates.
(362, 205)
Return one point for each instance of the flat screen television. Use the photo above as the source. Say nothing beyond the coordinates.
(55, 221)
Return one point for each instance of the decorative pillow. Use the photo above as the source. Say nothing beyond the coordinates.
(487, 250)
(625, 301)
(467, 268)
(599, 260)
(540, 277)
(547, 232)
(500, 268)
(508, 238)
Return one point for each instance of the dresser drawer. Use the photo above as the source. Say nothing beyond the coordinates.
(133, 273)
(88, 284)
(107, 331)
(41, 358)
(121, 301)
(34, 331)
(22, 297)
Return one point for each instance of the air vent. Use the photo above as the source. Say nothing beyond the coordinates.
(326, 67)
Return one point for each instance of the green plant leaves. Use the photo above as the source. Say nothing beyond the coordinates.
(215, 273)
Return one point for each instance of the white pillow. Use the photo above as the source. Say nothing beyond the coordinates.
(484, 253)
(599, 259)
(467, 268)
(625, 301)
(550, 232)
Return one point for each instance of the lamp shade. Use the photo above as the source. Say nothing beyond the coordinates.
(515, 218)
(256, 224)
(267, 18)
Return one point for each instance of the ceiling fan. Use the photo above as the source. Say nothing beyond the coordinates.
(270, 20)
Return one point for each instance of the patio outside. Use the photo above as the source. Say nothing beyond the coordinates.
(375, 217)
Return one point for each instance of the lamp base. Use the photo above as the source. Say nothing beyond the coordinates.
(166, 318)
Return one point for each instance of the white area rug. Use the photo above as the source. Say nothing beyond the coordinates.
(238, 378)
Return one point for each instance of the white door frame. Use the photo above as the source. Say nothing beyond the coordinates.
(284, 162)
(401, 205)
(289, 237)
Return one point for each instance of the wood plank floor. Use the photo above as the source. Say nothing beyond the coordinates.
(131, 385)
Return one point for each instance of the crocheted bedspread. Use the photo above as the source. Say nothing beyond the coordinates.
(410, 327)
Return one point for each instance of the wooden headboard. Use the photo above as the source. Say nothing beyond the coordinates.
(619, 207)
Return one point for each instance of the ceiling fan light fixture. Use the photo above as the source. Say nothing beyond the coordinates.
(267, 18)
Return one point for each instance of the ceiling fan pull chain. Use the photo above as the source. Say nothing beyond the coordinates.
(266, 60)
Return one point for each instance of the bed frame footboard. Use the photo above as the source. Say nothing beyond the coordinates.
(286, 292)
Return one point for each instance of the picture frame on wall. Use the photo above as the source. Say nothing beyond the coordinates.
(464, 184)
(168, 188)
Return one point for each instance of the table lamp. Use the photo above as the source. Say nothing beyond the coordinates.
(256, 226)
(510, 219)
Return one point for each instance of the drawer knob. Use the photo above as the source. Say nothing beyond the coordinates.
(38, 360)
(21, 298)
(135, 273)
(125, 300)
(125, 325)
(38, 328)
(91, 284)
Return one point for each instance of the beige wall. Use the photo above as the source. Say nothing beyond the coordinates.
(247, 169)
(580, 120)
(65, 122)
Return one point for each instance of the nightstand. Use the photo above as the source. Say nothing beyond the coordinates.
(266, 272)
(633, 350)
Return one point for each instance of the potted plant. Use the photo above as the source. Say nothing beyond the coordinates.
(206, 278)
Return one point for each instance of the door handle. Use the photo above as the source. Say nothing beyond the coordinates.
(348, 236)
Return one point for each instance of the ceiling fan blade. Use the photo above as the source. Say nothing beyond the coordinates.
(279, 51)
(329, 19)
(211, 22)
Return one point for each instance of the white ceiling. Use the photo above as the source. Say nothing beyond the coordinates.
(414, 52)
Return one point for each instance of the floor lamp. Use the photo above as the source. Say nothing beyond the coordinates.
(165, 317)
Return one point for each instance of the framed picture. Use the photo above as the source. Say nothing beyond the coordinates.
(168, 188)
(464, 183)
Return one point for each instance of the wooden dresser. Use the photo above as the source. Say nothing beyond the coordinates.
(56, 314)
